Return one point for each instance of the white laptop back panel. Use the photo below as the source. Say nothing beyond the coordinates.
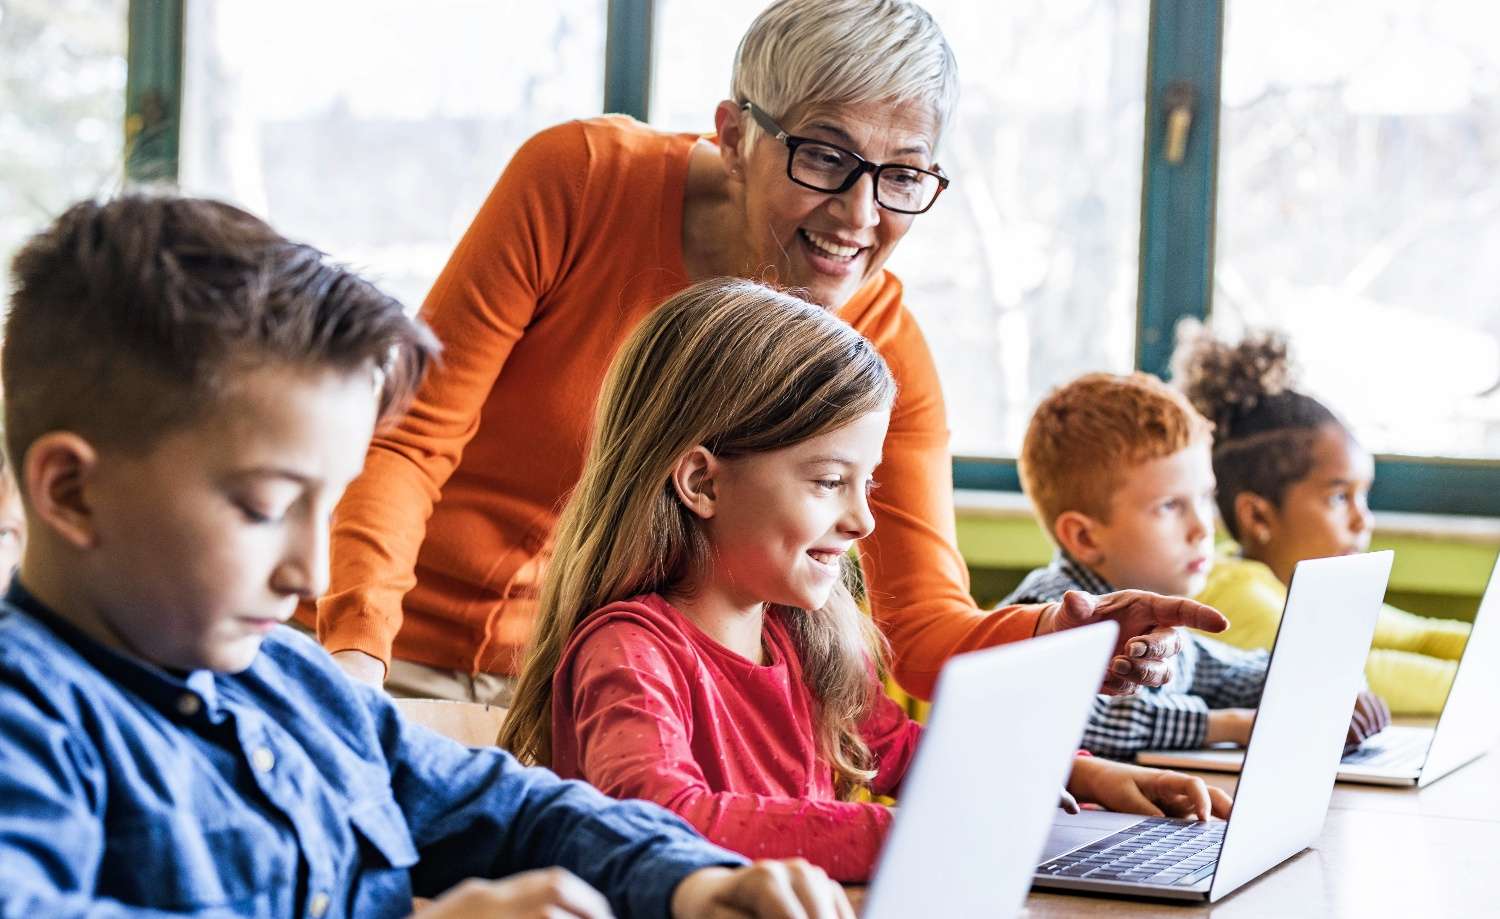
(1466, 730)
(984, 785)
(1298, 735)
(1468, 726)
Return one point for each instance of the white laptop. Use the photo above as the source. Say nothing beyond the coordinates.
(1283, 793)
(1401, 755)
(982, 790)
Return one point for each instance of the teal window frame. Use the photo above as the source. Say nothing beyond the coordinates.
(153, 90)
(1185, 49)
(1178, 202)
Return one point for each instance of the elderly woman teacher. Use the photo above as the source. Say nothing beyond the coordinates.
(825, 157)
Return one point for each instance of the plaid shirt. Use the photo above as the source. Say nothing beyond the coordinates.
(1206, 675)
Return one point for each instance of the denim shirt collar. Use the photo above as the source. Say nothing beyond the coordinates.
(161, 688)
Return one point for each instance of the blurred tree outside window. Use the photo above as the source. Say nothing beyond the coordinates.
(374, 129)
(1357, 205)
(1359, 209)
(62, 105)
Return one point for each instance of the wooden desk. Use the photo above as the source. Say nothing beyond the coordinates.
(1419, 853)
(1383, 852)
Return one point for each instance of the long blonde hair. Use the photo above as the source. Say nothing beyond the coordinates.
(739, 369)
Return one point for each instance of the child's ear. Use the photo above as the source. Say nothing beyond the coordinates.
(1075, 533)
(1255, 520)
(729, 123)
(693, 479)
(56, 470)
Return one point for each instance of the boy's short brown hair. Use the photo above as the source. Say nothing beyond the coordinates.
(129, 319)
(1086, 436)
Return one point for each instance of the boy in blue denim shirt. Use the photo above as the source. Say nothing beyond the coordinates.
(187, 394)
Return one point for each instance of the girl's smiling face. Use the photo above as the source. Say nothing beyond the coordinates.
(783, 520)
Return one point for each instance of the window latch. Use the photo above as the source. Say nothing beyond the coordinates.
(1178, 98)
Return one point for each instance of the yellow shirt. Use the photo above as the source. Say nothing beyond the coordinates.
(1412, 659)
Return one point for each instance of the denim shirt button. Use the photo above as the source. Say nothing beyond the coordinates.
(262, 759)
(318, 906)
(188, 705)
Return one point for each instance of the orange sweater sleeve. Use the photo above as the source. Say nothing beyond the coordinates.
(494, 285)
(917, 581)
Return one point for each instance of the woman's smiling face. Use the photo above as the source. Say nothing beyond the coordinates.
(828, 245)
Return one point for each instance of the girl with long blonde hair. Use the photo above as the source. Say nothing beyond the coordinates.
(698, 643)
(697, 640)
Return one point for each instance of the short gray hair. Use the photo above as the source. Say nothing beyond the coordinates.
(801, 54)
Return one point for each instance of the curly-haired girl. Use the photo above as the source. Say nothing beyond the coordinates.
(1293, 484)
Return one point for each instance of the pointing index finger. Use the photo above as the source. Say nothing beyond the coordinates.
(1171, 611)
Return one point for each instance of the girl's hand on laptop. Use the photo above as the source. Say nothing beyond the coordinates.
(1147, 631)
(1371, 716)
(788, 889)
(1130, 789)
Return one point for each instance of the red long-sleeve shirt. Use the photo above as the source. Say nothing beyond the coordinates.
(645, 705)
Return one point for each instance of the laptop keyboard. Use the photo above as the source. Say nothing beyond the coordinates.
(1402, 750)
(1158, 850)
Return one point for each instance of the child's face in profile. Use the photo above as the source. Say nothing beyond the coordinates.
(1325, 513)
(784, 519)
(205, 544)
(1160, 532)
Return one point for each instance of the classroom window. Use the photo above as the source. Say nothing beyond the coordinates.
(62, 104)
(1024, 273)
(1359, 209)
(375, 128)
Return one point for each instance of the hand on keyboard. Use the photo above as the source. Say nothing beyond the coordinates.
(1371, 716)
(1130, 789)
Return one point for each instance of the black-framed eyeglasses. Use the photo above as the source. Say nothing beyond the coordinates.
(826, 167)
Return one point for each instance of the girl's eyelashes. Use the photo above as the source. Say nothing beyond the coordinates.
(837, 481)
(831, 483)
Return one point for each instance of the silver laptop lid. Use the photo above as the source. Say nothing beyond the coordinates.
(979, 797)
(1298, 736)
(1468, 726)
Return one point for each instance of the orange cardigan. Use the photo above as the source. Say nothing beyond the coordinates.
(439, 545)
